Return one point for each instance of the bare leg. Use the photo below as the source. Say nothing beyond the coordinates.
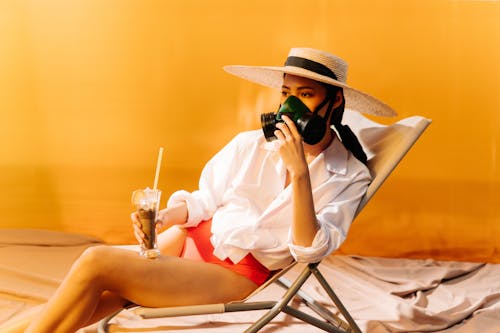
(171, 241)
(107, 304)
(165, 281)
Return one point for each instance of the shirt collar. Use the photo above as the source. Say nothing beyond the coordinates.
(335, 157)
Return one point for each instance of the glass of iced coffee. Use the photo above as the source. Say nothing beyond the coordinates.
(147, 203)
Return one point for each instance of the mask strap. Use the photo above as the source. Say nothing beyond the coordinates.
(320, 106)
(330, 97)
(329, 109)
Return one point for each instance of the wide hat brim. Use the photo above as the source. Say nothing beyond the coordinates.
(270, 76)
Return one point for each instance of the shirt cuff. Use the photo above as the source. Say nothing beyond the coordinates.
(319, 248)
(195, 211)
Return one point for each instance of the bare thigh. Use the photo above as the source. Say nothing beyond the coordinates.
(165, 281)
(171, 241)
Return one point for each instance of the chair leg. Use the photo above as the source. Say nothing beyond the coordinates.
(340, 325)
(315, 306)
(325, 326)
(334, 298)
(276, 309)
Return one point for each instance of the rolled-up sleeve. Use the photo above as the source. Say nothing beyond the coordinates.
(197, 208)
(334, 222)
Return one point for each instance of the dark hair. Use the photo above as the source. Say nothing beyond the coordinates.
(347, 136)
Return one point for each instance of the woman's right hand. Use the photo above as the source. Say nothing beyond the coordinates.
(138, 232)
(176, 214)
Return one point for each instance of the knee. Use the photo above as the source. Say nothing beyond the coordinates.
(93, 253)
(92, 262)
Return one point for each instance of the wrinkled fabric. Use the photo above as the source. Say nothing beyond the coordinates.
(383, 295)
(242, 189)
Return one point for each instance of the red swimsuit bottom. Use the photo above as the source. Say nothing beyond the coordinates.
(198, 247)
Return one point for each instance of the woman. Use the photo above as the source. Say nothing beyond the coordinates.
(259, 206)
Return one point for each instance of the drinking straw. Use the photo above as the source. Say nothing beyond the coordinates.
(158, 164)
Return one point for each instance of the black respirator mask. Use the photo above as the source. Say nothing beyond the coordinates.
(310, 125)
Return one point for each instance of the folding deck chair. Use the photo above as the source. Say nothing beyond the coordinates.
(385, 146)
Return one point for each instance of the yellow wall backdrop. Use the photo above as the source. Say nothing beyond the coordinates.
(90, 89)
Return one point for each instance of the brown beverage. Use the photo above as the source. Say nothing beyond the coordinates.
(148, 222)
(147, 202)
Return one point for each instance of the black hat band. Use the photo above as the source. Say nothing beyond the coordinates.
(310, 65)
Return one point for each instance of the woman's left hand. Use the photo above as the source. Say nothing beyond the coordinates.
(291, 148)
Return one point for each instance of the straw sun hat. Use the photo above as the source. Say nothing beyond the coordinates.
(319, 66)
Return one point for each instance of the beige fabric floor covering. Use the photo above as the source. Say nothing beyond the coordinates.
(383, 295)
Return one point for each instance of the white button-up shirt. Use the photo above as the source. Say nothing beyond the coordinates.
(242, 189)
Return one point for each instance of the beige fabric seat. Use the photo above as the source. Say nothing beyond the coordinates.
(385, 146)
